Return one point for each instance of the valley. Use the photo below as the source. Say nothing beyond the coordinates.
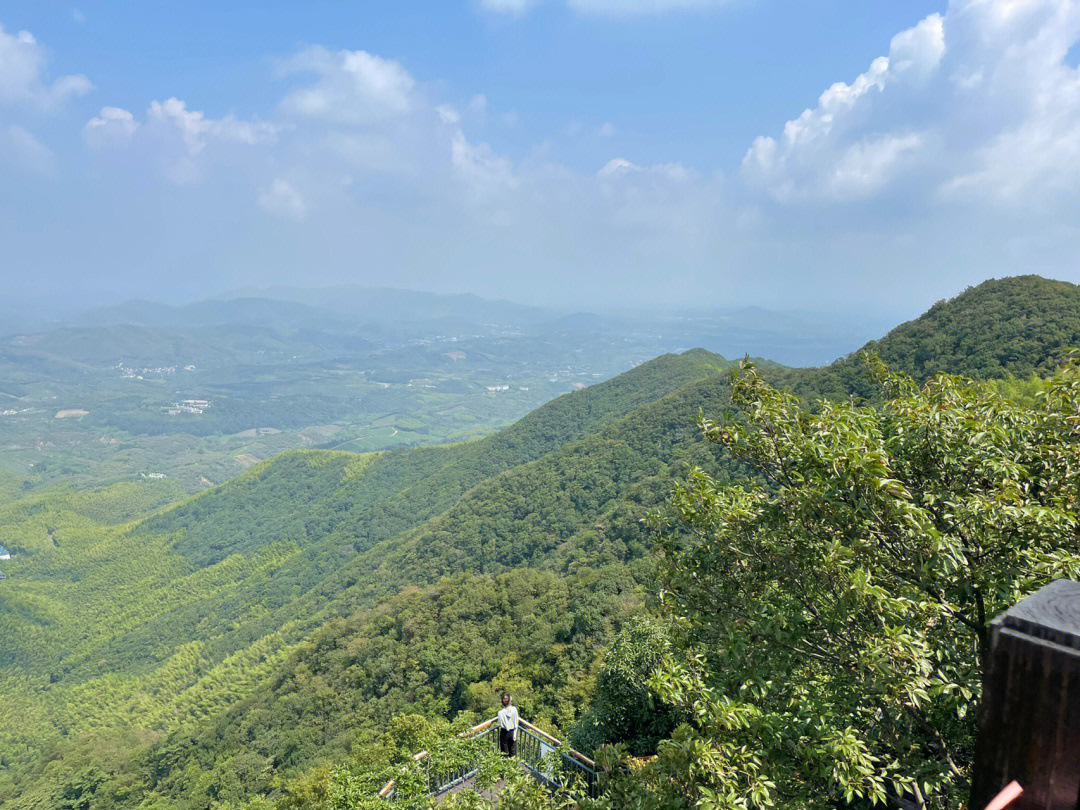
(200, 393)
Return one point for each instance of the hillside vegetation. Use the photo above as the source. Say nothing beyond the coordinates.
(220, 649)
(1012, 326)
(193, 607)
(1004, 328)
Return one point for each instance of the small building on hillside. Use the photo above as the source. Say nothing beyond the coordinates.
(4, 553)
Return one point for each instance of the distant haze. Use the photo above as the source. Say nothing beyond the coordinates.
(793, 337)
(859, 159)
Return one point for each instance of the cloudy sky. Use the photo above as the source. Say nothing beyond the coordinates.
(841, 156)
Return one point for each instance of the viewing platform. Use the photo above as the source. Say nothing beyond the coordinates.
(1029, 726)
(535, 750)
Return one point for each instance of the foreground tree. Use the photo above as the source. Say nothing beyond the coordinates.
(624, 708)
(832, 615)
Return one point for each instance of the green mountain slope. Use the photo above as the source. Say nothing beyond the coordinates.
(1011, 326)
(313, 492)
(1015, 326)
(275, 623)
(219, 588)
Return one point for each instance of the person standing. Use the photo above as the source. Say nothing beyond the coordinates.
(508, 727)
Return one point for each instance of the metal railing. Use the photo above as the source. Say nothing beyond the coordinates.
(534, 750)
(535, 745)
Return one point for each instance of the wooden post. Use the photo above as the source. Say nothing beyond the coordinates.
(1029, 723)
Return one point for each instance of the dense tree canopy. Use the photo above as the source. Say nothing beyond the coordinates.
(832, 615)
(823, 624)
(211, 619)
(625, 709)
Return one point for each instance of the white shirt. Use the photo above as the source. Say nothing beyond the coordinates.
(508, 719)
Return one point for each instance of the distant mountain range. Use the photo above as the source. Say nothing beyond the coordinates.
(264, 312)
(384, 315)
(389, 305)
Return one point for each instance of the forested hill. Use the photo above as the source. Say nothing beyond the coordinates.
(212, 652)
(312, 491)
(1016, 326)
(158, 627)
(1009, 327)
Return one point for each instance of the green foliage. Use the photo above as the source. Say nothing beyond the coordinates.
(446, 650)
(1003, 328)
(448, 752)
(625, 709)
(833, 619)
(1025, 392)
(216, 626)
(411, 753)
(1011, 326)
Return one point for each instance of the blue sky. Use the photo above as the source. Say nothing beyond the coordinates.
(870, 156)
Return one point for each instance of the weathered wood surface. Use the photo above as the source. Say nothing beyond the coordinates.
(1029, 724)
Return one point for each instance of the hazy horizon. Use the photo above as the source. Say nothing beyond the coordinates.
(574, 153)
(53, 310)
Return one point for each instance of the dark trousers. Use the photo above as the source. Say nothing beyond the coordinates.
(507, 743)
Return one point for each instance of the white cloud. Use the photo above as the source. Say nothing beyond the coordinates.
(179, 141)
(796, 165)
(77, 15)
(621, 167)
(960, 144)
(918, 50)
(866, 166)
(405, 155)
(282, 200)
(197, 130)
(617, 166)
(1026, 102)
(354, 87)
(448, 114)
(22, 150)
(23, 78)
(977, 103)
(112, 126)
(661, 203)
(372, 151)
(483, 171)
